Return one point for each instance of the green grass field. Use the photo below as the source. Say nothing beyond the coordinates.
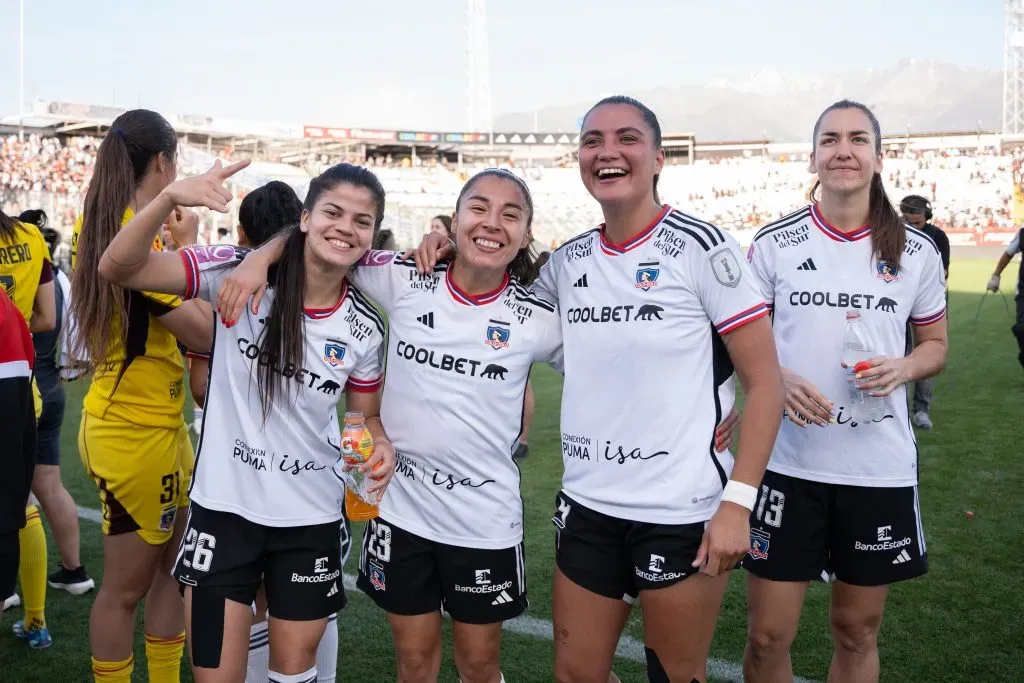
(961, 622)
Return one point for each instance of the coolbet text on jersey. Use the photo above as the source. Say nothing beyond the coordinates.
(626, 312)
(279, 473)
(463, 362)
(811, 274)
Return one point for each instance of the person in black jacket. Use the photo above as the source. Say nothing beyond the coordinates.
(917, 211)
(1015, 247)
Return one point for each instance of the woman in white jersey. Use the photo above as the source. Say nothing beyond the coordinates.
(266, 496)
(653, 305)
(450, 532)
(840, 496)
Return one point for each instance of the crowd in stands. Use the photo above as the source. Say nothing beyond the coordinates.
(970, 191)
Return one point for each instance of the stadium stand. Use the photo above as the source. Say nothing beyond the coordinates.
(739, 186)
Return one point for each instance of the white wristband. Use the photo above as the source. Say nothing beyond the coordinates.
(740, 493)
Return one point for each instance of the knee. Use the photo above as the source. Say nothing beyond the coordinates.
(856, 635)
(415, 665)
(125, 596)
(477, 666)
(766, 642)
(574, 672)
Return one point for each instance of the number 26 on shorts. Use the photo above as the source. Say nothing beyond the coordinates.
(198, 546)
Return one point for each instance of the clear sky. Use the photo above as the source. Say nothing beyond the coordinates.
(402, 63)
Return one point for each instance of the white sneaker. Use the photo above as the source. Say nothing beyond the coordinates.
(922, 420)
(12, 601)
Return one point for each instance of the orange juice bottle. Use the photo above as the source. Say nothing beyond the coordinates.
(356, 448)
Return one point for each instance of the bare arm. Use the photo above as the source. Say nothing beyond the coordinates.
(929, 356)
(128, 260)
(1004, 260)
(927, 360)
(753, 353)
(752, 349)
(190, 324)
(44, 309)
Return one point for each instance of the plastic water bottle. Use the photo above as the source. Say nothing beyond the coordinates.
(857, 349)
(356, 448)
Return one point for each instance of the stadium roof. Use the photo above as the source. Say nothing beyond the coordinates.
(292, 141)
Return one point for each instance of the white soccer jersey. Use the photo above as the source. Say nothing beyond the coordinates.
(280, 473)
(642, 325)
(453, 399)
(812, 274)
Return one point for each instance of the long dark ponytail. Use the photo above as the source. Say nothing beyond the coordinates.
(282, 340)
(134, 138)
(888, 231)
(8, 227)
(521, 267)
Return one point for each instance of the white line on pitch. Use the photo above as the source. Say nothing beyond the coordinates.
(629, 647)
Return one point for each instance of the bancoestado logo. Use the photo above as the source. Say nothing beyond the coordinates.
(667, 576)
(316, 578)
(495, 588)
(885, 545)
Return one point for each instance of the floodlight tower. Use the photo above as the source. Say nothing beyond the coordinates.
(478, 90)
(1013, 68)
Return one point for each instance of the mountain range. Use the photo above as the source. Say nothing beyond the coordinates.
(927, 96)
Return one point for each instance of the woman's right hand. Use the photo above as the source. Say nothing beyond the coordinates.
(206, 189)
(804, 403)
(248, 279)
(433, 248)
(183, 225)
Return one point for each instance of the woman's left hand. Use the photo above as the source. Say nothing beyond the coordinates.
(884, 375)
(726, 540)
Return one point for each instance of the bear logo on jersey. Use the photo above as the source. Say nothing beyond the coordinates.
(334, 352)
(329, 387)
(649, 311)
(497, 335)
(647, 275)
(886, 304)
(888, 272)
(493, 371)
